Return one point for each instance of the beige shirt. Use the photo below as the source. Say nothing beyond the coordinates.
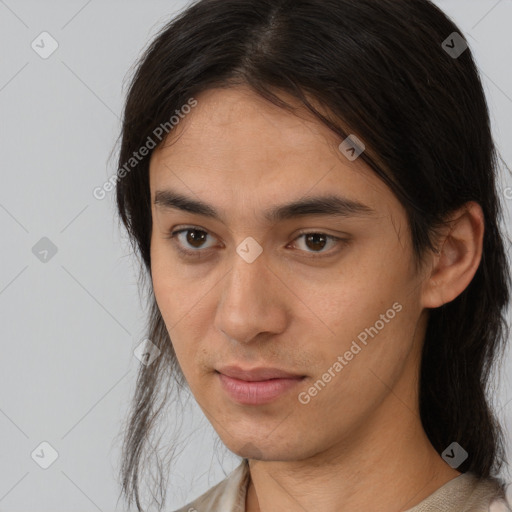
(465, 493)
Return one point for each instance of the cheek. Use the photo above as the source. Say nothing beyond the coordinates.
(360, 366)
(162, 286)
(181, 308)
(165, 290)
(355, 298)
(168, 286)
(371, 316)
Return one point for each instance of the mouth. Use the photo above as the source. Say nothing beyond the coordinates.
(257, 386)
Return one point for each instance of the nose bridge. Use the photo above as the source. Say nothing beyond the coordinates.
(245, 307)
(247, 277)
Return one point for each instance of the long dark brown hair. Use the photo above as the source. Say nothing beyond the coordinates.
(380, 68)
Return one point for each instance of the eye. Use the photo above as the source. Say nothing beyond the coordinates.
(190, 241)
(318, 241)
(190, 237)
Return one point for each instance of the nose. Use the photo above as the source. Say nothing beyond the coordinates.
(252, 301)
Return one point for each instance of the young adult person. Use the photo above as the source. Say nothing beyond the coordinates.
(317, 210)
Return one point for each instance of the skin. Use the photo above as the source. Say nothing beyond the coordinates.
(243, 155)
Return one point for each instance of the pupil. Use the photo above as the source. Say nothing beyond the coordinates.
(192, 239)
(316, 236)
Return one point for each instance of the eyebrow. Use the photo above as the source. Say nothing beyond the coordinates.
(328, 205)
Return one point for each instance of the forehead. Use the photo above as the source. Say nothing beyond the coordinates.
(234, 142)
(258, 126)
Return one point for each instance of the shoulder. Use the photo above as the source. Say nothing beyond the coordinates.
(228, 495)
(486, 495)
(467, 493)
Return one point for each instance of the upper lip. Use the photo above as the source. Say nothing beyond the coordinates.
(257, 374)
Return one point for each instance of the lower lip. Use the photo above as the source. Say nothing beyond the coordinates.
(257, 392)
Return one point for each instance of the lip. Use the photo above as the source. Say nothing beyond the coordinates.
(257, 386)
(257, 374)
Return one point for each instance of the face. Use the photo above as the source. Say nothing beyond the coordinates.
(283, 322)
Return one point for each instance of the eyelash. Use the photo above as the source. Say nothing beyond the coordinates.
(198, 253)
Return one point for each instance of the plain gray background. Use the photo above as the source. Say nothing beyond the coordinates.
(70, 324)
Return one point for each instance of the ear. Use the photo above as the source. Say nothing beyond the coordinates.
(460, 252)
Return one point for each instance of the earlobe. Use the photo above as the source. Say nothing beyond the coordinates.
(460, 251)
